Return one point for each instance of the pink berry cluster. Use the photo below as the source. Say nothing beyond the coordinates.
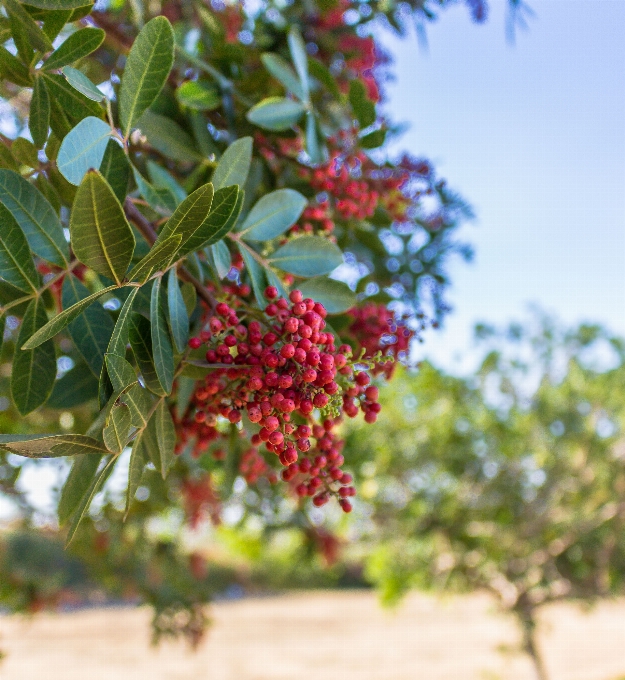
(282, 377)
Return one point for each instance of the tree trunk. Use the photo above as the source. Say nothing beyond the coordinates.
(529, 643)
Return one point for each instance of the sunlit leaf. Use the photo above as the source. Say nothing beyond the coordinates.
(83, 149)
(272, 215)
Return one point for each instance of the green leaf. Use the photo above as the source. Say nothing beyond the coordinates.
(186, 388)
(75, 388)
(141, 342)
(76, 485)
(39, 119)
(91, 330)
(178, 318)
(313, 148)
(158, 257)
(13, 70)
(219, 258)
(189, 215)
(115, 169)
(36, 217)
(335, 296)
(84, 503)
(28, 27)
(116, 431)
(198, 96)
(363, 108)
(138, 459)
(121, 372)
(272, 215)
(120, 337)
(162, 426)
(34, 370)
(307, 256)
(161, 179)
(323, 75)
(6, 158)
(51, 328)
(79, 81)
(100, 234)
(206, 144)
(68, 106)
(373, 140)
(53, 21)
(234, 165)
(168, 138)
(16, 263)
(57, 4)
(162, 349)
(147, 67)
(281, 70)
(76, 46)
(50, 446)
(83, 149)
(25, 152)
(161, 201)
(257, 276)
(224, 212)
(300, 58)
(276, 113)
(139, 402)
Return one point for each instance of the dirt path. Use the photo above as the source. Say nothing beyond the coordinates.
(324, 636)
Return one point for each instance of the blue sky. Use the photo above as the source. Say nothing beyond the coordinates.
(533, 135)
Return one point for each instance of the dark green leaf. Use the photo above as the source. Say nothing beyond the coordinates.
(27, 26)
(203, 137)
(188, 216)
(282, 71)
(147, 67)
(35, 216)
(276, 113)
(198, 96)
(16, 264)
(13, 70)
(334, 295)
(186, 388)
(116, 431)
(83, 149)
(57, 4)
(161, 179)
(221, 219)
(139, 402)
(323, 75)
(307, 256)
(85, 501)
(141, 342)
(163, 202)
(75, 388)
(68, 106)
(373, 140)
(257, 276)
(100, 234)
(272, 215)
(363, 108)
(51, 328)
(77, 484)
(39, 119)
(115, 169)
(159, 256)
(299, 57)
(50, 446)
(79, 81)
(234, 165)
(90, 331)
(120, 337)
(138, 459)
(6, 158)
(178, 319)
(34, 370)
(25, 152)
(168, 137)
(162, 426)
(121, 372)
(53, 21)
(162, 349)
(76, 46)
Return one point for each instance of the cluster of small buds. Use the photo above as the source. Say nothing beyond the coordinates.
(377, 329)
(289, 385)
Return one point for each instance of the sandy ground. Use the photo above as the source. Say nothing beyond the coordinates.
(322, 635)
